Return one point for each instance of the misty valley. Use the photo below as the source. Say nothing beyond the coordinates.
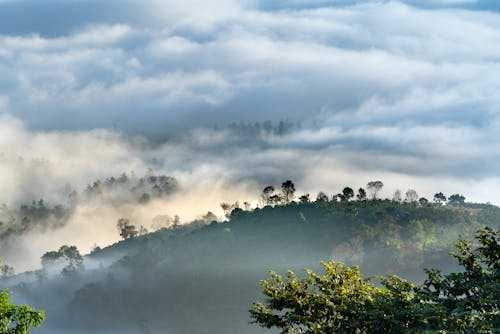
(249, 167)
(205, 276)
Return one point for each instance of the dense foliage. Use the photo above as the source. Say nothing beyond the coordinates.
(180, 272)
(342, 301)
(17, 319)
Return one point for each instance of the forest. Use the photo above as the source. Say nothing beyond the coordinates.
(203, 276)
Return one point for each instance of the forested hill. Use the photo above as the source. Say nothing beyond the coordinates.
(203, 279)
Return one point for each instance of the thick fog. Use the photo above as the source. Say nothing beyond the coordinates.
(210, 166)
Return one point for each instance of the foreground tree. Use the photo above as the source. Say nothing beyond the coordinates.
(342, 301)
(17, 319)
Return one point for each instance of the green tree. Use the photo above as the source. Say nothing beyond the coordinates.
(423, 201)
(439, 198)
(17, 319)
(456, 199)
(339, 301)
(342, 301)
(469, 301)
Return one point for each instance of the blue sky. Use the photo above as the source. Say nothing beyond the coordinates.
(401, 90)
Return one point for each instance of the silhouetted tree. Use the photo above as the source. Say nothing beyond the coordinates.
(176, 222)
(361, 196)
(423, 201)
(374, 188)
(347, 194)
(439, 198)
(126, 229)
(288, 191)
(275, 199)
(322, 197)
(304, 199)
(267, 193)
(456, 199)
(227, 208)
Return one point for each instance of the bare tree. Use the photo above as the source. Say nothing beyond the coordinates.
(397, 197)
(411, 196)
(374, 188)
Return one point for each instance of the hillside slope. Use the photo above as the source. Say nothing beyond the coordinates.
(204, 279)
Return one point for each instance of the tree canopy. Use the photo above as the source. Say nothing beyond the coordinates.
(342, 301)
(374, 187)
(17, 319)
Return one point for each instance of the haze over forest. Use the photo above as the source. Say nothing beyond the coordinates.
(151, 110)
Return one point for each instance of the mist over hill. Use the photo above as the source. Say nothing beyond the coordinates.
(202, 277)
(140, 143)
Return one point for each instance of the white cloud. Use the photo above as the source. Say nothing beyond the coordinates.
(383, 90)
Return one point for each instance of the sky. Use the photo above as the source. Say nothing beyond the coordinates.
(406, 92)
(400, 91)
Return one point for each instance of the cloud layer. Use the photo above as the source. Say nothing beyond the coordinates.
(405, 92)
(238, 62)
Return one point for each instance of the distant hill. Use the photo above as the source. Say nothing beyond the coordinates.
(203, 278)
(39, 216)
